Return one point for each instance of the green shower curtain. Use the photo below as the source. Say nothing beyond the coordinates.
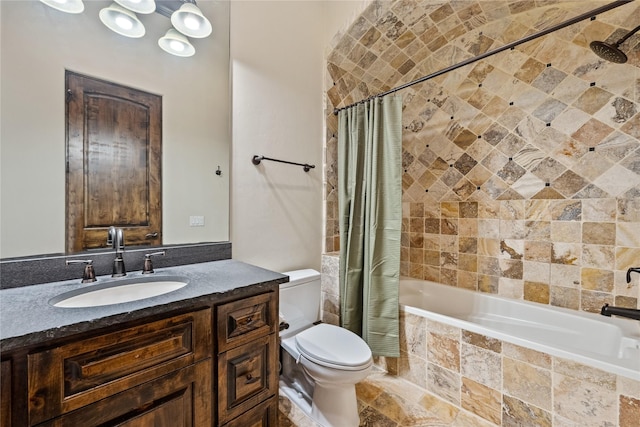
(370, 209)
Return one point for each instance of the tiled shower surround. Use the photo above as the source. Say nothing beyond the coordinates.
(521, 171)
(521, 178)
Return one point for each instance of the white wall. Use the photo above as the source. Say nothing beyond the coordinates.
(278, 67)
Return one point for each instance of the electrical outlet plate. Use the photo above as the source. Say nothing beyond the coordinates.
(196, 221)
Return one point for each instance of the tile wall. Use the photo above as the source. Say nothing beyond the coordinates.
(521, 171)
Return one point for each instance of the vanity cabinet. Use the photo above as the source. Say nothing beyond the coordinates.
(247, 361)
(211, 366)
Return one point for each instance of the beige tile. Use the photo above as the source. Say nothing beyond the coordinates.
(536, 292)
(443, 383)
(370, 417)
(599, 233)
(583, 401)
(527, 355)
(527, 382)
(413, 369)
(561, 296)
(537, 251)
(596, 280)
(443, 351)
(481, 400)
(566, 231)
(629, 411)
(481, 365)
(599, 256)
(566, 253)
(391, 405)
(516, 413)
(413, 334)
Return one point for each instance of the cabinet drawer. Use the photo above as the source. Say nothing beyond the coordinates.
(263, 415)
(67, 377)
(244, 320)
(247, 375)
(179, 399)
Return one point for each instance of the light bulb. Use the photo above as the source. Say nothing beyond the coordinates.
(124, 22)
(192, 23)
(176, 45)
(67, 6)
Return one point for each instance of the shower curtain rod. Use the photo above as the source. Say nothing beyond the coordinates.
(591, 14)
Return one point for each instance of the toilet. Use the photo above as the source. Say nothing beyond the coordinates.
(320, 363)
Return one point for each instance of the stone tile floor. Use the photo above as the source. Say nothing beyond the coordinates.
(388, 401)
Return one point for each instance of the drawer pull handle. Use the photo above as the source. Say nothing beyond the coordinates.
(249, 320)
(250, 379)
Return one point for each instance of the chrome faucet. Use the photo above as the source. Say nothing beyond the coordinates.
(115, 238)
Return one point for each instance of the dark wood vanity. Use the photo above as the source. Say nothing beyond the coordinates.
(209, 362)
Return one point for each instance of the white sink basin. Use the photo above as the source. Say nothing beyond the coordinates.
(119, 291)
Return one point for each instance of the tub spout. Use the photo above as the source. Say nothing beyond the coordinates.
(631, 313)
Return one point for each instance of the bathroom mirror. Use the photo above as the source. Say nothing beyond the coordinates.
(38, 44)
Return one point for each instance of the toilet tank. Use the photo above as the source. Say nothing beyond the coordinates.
(300, 300)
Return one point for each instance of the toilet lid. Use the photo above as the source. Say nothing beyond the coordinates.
(333, 345)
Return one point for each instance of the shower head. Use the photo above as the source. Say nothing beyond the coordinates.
(611, 52)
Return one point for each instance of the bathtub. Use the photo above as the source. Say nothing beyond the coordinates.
(610, 344)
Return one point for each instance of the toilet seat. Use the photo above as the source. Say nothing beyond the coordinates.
(334, 347)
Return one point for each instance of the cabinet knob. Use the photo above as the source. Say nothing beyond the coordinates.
(251, 379)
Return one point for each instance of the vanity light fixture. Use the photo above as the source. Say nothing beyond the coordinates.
(122, 21)
(68, 6)
(120, 17)
(176, 44)
(138, 6)
(190, 21)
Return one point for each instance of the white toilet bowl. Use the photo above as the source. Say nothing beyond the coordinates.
(335, 359)
(321, 363)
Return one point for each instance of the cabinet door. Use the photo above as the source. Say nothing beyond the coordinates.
(179, 399)
(5, 393)
(82, 372)
(247, 375)
(263, 415)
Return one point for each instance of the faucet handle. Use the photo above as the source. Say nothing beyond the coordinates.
(89, 275)
(632, 270)
(148, 265)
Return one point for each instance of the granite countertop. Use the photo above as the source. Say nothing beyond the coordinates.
(27, 317)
